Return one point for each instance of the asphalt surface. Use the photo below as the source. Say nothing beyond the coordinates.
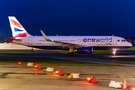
(21, 77)
(96, 58)
(14, 77)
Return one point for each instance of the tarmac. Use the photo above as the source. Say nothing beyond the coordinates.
(15, 77)
(12, 46)
(21, 77)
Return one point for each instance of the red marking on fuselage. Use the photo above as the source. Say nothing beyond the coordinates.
(10, 39)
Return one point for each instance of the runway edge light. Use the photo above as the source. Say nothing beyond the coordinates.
(58, 72)
(92, 79)
(37, 66)
(19, 63)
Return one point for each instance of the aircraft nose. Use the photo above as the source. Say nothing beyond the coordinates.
(129, 44)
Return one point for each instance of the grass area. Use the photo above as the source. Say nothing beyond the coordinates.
(48, 61)
(102, 52)
(16, 52)
(61, 51)
(95, 51)
(132, 48)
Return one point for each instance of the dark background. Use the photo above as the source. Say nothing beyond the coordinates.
(70, 17)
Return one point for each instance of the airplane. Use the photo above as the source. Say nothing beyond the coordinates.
(74, 44)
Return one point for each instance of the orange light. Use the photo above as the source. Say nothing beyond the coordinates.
(92, 79)
(61, 72)
(37, 66)
(88, 78)
(121, 83)
(133, 88)
(19, 63)
(57, 72)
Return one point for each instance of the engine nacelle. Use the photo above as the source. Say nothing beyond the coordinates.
(84, 50)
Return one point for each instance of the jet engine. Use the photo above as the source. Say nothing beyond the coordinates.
(84, 50)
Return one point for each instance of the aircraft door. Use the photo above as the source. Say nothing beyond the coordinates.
(29, 40)
(114, 40)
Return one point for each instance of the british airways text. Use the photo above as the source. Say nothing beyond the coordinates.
(97, 40)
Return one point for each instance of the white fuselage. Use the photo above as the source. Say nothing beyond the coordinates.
(81, 43)
(97, 42)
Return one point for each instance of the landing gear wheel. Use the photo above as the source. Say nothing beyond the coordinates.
(32, 49)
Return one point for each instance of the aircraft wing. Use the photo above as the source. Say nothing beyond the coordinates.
(65, 44)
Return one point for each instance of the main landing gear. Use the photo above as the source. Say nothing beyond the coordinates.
(32, 49)
(71, 52)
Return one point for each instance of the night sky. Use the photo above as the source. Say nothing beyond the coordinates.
(70, 17)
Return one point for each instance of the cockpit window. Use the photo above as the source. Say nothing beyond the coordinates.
(123, 40)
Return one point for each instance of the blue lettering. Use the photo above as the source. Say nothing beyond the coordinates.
(102, 39)
(85, 40)
(89, 39)
(97, 40)
(93, 40)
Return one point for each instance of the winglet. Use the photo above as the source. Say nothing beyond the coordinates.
(44, 35)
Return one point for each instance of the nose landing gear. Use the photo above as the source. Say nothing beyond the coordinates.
(114, 52)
